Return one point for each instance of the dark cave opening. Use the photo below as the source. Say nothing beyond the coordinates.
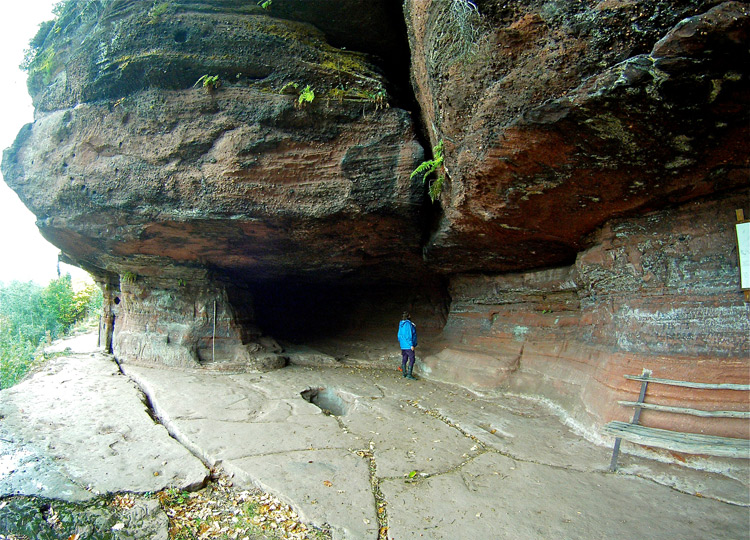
(305, 312)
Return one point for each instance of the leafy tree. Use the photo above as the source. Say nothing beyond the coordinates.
(31, 314)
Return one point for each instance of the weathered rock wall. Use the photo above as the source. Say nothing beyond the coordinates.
(594, 153)
(556, 116)
(189, 323)
(135, 168)
(659, 292)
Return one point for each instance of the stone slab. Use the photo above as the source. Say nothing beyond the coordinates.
(445, 462)
(498, 497)
(88, 429)
(326, 487)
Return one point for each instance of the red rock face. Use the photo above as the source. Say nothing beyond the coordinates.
(594, 154)
(561, 115)
(660, 292)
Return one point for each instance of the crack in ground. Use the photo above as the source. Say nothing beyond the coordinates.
(153, 412)
(381, 504)
(485, 449)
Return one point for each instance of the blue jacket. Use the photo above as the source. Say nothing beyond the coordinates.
(407, 334)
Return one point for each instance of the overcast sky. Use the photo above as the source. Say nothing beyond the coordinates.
(24, 254)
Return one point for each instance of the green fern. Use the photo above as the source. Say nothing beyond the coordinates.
(290, 88)
(426, 168)
(306, 96)
(209, 82)
(436, 188)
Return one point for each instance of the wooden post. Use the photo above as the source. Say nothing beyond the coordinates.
(636, 418)
(213, 337)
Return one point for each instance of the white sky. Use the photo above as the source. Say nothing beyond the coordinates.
(24, 254)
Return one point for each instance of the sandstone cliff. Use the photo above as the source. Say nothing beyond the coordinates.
(234, 175)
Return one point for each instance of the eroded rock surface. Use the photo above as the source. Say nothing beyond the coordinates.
(636, 300)
(79, 428)
(169, 189)
(556, 116)
(596, 150)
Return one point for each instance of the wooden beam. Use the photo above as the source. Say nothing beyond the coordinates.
(688, 384)
(689, 443)
(685, 410)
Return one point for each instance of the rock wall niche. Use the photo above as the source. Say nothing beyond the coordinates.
(188, 322)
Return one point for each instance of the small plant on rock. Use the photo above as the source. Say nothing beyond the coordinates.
(426, 168)
(303, 96)
(265, 4)
(306, 96)
(290, 88)
(209, 82)
(158, 10)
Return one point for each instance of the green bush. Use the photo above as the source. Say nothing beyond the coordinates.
(30, 314)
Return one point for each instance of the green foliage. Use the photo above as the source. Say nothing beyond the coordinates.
(436, 188)
(31, 314)
(265, 4)
(303, 96)
(290, 88)
(426, 168)
(129, 277)
(16, 355)
(209, 82)
(306, 96)
(158, 10)
(42, 58)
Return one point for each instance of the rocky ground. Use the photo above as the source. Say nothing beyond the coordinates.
(90, 450)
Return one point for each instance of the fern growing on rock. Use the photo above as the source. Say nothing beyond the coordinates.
(426, 168)
(306, 96)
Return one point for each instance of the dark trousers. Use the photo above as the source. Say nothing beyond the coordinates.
(407, 355)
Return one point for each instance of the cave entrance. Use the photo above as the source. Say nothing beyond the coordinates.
(311, 313)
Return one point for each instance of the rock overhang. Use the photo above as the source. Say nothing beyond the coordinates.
(151, 168)
(561, 118)
(137, 172)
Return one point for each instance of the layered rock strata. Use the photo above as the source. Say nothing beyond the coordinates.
(233, 174)
(659, 292)
(142, 165)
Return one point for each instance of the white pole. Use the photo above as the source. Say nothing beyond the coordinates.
(213, 337)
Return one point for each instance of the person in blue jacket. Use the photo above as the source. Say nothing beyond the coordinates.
(407, 338)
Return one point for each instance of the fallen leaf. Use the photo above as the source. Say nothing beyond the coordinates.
(326, 483)
(412, 474)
